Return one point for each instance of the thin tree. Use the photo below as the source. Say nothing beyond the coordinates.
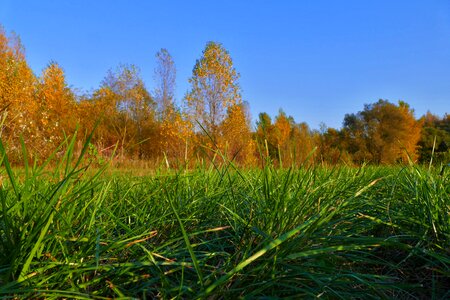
(165, 76)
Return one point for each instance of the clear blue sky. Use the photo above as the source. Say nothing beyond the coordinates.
(318, 60)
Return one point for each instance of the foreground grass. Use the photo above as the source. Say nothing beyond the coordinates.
(371, 232)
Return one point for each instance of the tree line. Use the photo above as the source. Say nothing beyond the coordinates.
(213, 121)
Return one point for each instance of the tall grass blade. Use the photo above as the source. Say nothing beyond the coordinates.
(188, 244)
(271, 245)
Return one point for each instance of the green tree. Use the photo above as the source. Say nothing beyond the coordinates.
(435, 135)
(354, 137)
(265, 136)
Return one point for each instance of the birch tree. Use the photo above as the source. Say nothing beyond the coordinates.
(214, 88)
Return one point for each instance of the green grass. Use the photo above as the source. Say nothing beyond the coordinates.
(369, 232)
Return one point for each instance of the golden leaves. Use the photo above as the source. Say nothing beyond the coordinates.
(214, 88)
(236, 139)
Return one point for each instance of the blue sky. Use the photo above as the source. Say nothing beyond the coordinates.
(318, 60)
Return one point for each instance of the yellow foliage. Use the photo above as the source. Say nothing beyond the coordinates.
(236, 139)
(17, 86)
(175, 134)
(214, 89)
(57, 110)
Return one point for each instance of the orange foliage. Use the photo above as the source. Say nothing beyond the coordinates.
(382, 133)
(175, 136)
(44, 109)
(236, 139)
(57, 108)
(17, 86)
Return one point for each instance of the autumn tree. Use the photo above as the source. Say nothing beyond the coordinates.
(237, 135)
(101, 107)
(123, 92)
(382, 133)
(214, 89)
(295, 141)
(330, 147)
(57, 111)
(303, 142)
(286, 142)
(174, 130)
(282, 131)
(17, 94)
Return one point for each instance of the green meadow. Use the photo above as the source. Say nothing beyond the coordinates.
(68, 230)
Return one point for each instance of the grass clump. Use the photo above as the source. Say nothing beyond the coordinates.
(369, 232)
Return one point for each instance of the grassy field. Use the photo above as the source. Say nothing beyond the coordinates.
(369, 232)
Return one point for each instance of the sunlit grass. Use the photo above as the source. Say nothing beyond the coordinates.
(370, 232)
